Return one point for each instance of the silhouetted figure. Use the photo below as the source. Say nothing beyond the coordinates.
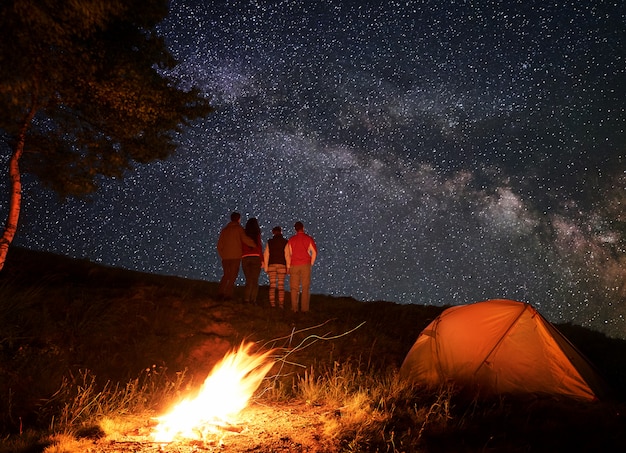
(275, 264)
(251, 261)
(229, 247)
(300, 254)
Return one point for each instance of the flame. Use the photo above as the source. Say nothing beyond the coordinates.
(224, 393)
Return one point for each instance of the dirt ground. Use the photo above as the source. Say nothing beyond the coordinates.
(286, 428)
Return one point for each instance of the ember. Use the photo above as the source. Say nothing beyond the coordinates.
(224, 393)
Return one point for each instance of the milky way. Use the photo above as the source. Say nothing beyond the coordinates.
(439, 152)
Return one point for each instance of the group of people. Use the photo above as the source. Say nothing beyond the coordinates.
(243, 247)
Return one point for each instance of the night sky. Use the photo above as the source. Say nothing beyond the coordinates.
(438, 152)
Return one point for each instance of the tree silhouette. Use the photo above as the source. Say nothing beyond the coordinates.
(84, 93)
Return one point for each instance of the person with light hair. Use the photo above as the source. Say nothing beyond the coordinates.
(300, 254)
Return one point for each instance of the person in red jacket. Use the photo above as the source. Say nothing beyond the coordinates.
(229, 247)
(300, 254)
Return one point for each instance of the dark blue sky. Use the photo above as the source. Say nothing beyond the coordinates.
(439, 152)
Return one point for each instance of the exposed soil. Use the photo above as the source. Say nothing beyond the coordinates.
(280, 428)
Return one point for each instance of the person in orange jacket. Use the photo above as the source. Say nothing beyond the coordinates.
(230, 248)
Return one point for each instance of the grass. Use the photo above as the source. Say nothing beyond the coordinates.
(86, 352)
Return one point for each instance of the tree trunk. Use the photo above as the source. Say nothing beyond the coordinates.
(15, 201)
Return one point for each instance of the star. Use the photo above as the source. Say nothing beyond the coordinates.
(439, 153)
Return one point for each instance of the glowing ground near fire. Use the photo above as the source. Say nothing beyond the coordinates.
(220, 415)
(289, 427)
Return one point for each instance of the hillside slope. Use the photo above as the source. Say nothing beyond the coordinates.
(61, 318)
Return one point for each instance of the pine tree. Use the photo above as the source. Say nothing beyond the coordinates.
(84, 93)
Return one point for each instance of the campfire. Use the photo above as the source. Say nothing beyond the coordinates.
(224, 393)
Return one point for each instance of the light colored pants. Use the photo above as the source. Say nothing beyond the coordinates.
(300, 279)
(276, 274)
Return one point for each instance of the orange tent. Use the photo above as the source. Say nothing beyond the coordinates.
(500, 346)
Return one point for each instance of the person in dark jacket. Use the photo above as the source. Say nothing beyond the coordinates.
(230, 248)
(275, 265)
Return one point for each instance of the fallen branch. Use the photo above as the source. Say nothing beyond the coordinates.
(303, 344)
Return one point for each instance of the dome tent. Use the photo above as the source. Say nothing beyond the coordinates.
(500, 346)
